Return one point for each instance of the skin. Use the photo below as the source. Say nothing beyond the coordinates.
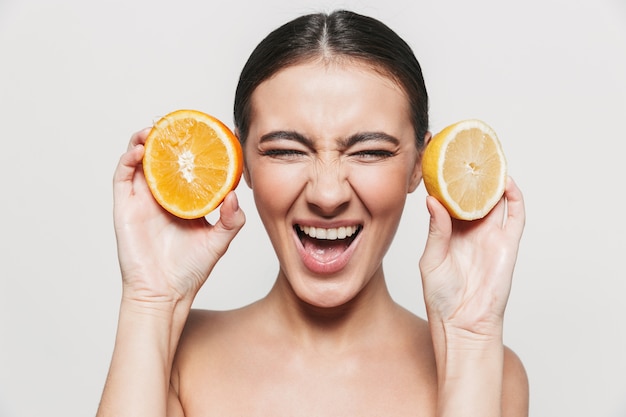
(327, 339)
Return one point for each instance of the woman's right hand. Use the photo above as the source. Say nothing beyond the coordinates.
(164, 259)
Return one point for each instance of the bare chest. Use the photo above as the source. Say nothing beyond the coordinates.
(305, 385)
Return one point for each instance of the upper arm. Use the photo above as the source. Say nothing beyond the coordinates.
(515, 390)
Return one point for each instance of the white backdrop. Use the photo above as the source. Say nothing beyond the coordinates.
(78, 77)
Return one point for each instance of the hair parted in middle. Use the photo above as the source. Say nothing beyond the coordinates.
(341, 36)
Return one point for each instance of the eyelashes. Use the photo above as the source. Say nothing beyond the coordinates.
(287, 154)
(373, 154)
(370, 154)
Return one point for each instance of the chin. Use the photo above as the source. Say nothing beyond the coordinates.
(327, 295)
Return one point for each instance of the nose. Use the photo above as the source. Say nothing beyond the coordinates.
(328, 190)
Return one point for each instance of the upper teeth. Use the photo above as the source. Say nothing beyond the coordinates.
(330, 234)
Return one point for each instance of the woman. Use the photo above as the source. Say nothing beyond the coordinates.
(332, 113)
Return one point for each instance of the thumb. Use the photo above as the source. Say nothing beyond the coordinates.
(231, 220)
(439, 232)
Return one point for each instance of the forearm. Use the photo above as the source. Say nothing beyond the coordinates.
(470, 373)
(139, 375)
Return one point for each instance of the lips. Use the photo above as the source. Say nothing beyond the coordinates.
(326, 250)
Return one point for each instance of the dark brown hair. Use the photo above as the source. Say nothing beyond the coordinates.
(335, 36)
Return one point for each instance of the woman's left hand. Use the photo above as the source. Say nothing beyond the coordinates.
(467, 267)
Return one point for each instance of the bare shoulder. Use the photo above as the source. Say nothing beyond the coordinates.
(412, 334)
(515, 389)
(203, 323)
(415, 327)
(205, 328)
(207, 337)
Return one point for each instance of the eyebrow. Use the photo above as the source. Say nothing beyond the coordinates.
(369, 136)
(345, 143)
(287, 135)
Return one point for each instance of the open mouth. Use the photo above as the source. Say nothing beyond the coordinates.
(326, 250)
(326, 244)
(337, 233)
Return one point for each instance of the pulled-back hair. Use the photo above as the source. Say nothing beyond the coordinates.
(334, 37)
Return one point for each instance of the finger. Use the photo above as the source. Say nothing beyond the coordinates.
(232, 219)
(497, 213)
(127, 165)
(138, 138)
(439, 233)
(516, 217)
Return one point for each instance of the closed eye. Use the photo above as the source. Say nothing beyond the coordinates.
(282, 144)
(282, 153)
(373, 154)
(371, 146)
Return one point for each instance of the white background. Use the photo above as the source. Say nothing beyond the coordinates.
(77, 78)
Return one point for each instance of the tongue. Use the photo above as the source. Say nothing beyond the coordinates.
(324, 250)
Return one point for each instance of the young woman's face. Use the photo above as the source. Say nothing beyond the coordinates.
(330, 158)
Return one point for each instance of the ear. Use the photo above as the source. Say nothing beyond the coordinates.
(416, 175)
(246, 172)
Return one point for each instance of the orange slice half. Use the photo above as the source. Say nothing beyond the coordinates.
(191, 161)
(464, 167)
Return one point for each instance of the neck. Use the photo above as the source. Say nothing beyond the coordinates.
(332, 328)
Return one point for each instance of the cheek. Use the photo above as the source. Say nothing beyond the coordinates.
(381, 190)
(275, 188)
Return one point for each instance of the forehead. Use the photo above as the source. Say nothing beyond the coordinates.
(330, 99)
